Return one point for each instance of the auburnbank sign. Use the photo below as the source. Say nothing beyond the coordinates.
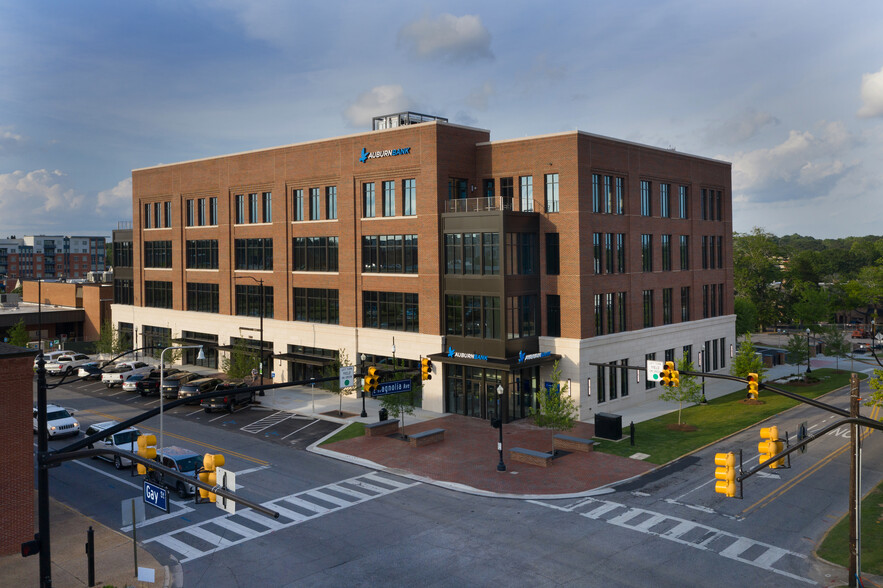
(366, 155)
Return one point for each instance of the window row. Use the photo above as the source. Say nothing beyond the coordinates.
(397, 311)
(249, 301)
(122, 254)
(712, 300)
(712, 252)
(472, 316)
(202, 254)
(610, 313)
(457, 188)
(196, 214)
(666, 250)
(389, 254)
(389, 203)
(612, 382)
(711, 204)
(315, 254)
(316, 305)
(253, 208)
(123, 292)
(157, 215)
(609, 248)
(472, 253)
(253, 254)
(312, 208)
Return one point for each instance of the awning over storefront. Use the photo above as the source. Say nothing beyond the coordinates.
(191, 341)
(316, 360)
(509, 364)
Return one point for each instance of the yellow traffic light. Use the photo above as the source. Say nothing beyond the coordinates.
(372, 379)
(675, 379)
(753, 380)
(771, 446)
(147, 450)
(669, 374)
(725, 474)
(425, 369)
(210, 463)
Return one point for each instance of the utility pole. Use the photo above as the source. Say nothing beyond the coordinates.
(854, 492)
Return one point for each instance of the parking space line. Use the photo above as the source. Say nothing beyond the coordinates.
(301, 429)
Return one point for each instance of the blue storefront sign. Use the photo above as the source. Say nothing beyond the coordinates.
(366, 155)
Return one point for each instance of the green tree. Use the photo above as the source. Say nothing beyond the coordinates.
(755, 268)
(108, 341)
(797, 349)
(812, 306)
(557, 409)
(747, 361)
(333, 369)
(241, 360)
(689, 390)
(875, 398)
(401, 403)
(18, 334)
(746, 315)
(835, 345)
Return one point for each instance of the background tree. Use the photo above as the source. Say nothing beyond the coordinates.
(875, 397)
(18, 334)
(108, 340)
(240, 361)
(690, 389)
(755, 268)
(797, 351)
(835, 345)
(333, 369)
(556, 408)
(746, 316)
(812, 305)
(747, 361)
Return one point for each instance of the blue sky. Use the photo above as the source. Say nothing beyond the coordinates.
(790, 92)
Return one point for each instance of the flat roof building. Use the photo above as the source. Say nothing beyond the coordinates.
(493, 258)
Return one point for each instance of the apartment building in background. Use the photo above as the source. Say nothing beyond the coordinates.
(423, 238)
(51, 257)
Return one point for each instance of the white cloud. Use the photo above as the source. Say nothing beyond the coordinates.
(448, 37)
(116, 201)
(739, 128)
(9, 138)
(872, 95)
(805, 165)
(478, 98)
(377, 101)
(42, 189)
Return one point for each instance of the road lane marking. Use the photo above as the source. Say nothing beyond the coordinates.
(299, 430)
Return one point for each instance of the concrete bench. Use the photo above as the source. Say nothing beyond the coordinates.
(426, 437)
(568, 443)
(382, 428)
(529, 456)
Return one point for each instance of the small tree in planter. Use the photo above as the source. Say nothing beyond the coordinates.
(240, 361)
(797, 350)
(689, 390)
(556, 408)
(18, 334)
(333, 369)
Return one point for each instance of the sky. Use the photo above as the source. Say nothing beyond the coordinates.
(790, 92)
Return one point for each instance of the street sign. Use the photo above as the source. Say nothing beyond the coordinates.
(347, 375)
(227, 481)
(654, 370)
(392, 388)
(156, 496)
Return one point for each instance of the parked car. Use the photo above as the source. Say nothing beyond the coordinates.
(181, 460)
(119, 372)
(200, 386)
(171, 384)
(126, 439)
(239, 396)
(67, 364)
(59, 420)
(138, 382)
(51, 356)
(90, 371)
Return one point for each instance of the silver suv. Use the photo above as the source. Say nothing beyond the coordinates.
(126, 439)
(181, 460)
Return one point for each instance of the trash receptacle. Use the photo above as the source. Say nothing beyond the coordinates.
(608, 426)
(384, 414)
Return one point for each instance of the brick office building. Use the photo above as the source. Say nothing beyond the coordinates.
(494, 258)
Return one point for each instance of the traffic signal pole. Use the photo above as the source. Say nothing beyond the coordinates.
(43, 474)
(854, 490)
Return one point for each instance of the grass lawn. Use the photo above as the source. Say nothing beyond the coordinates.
(715, 420)
(353, 430)
(835, 547)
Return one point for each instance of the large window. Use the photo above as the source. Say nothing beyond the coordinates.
(254, 254)
(315, 254)
(253, 209)
(157, 294)
(202, 254)
(666, 253)
(620, 252)
(647, 253)
(551, 192)
(685, 304)
(369, 208)
(189, 217)
(665, 200)
(521, 316)
(522, 254)
(598, 249)
(507, 193)
(158, 254)
(167, 217)
(202, 297)
(645, 198)
(240, 209)
(472, 316)
(685, 252)
(297, 203)
(553, 259)
(200, 211)
(472, 253)
(267, 198)
(683, 202)
(248, 300)
(553, 315)
(122, 253)
(525, 193)
(647, 300)
(316, 305)
(389, 254)
(457, 188)
(397, 311)
(315, 203)
(409, 197)
(123, 292)
(213, 210)
(667, 306)
(331, 202)
(389, 198)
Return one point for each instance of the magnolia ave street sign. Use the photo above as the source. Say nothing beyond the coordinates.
(392, 388)
(654, 371)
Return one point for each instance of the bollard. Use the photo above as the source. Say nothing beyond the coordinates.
(632, 433)
(90, 554)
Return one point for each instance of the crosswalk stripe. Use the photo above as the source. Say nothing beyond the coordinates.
(174, 544)
(353, 493)
(214, 539)
(306, 505)
(261, 519)
(381, 480)
(247, 532)
(329, 498)
(601, 510)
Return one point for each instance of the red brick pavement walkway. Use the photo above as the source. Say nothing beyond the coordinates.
(469, 456)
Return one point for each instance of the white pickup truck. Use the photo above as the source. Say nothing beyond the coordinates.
(117, 374)
(67, 364)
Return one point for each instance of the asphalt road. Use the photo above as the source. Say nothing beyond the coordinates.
(343, 524)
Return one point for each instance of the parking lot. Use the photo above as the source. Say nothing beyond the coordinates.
(281, 427)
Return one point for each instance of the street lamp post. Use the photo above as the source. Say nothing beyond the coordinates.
(808, 367)
(261, 353)
(162, 373)
(501, 467)
(362, 370)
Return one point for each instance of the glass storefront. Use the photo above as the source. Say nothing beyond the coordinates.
(472, 391)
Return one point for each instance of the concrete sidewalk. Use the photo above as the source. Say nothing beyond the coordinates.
(114, 556)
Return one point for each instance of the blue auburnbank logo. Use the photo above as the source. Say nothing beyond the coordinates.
(452, 353)
(522, 357)
(366, 155)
